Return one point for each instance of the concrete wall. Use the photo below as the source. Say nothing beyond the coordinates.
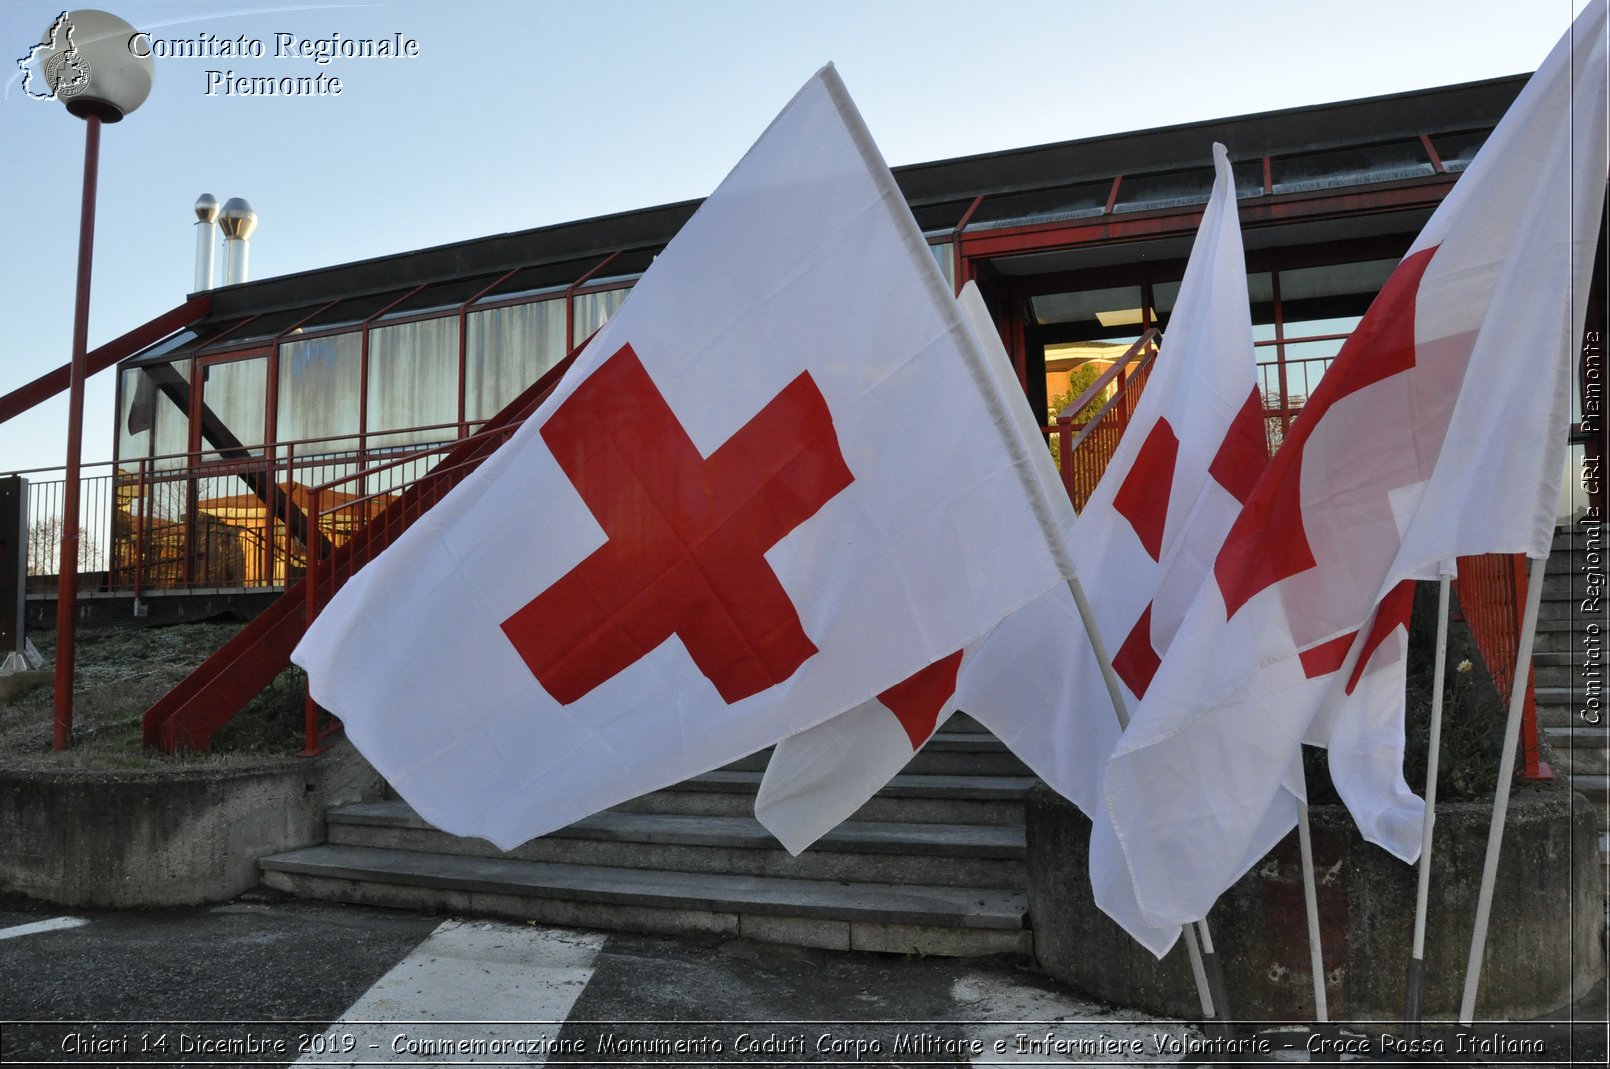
(1545, 946)
(170, 837)
(102, 609)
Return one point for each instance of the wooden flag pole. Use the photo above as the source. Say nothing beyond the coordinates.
(1414, 990)
(1204, 962)
(1506, 772)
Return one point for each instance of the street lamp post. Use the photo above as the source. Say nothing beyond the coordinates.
(92, 71)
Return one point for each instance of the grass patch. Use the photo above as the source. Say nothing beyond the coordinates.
(119, 672)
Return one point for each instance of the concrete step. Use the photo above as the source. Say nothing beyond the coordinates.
(1546, 675)
(909, 798)
(1580, 750)
(955, 921)
(1561, 613)
(958, 753)
(1555, 669)
(1558, 637)
(1565, 583)
(1569, 541)
(1559, 716)
(861, 851)
(1595, 788)
(1554, 695)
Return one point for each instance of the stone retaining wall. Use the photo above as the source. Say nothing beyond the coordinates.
(1545, 946)
(172, 836)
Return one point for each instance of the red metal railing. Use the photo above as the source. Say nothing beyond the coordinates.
(1491, 587)
(1492, 598)
(381, 516)
(1085, 449)
(189, 715)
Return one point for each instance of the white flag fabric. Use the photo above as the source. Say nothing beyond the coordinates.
(775, 484)
(1148, 533)
(1437, 432)
(816, 779)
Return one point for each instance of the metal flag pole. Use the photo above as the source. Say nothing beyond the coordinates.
(1215, 977)
(1204, 962)
(1316, 955)
(1506, 771)
(1043, 484)
(1415, 987)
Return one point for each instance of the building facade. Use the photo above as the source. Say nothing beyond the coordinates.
(346, 380)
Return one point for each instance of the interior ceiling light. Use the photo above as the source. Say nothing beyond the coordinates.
(1121, 317)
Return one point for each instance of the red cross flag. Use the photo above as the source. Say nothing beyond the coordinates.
(776, 483)
(1174, 485)
(815, 780)
(1439, 431)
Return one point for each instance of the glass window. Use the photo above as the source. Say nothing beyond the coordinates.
(413, 381)
(507, 349)
(443, 295)
(1114, 312)
(1457, 150)
(946, 261)
(319, 382)
(265, 326)
(1174, 189)
(1309, 348)
(1357, 282)
(1350, 166)
(231, 537)
(153, 421)
(1042, 205)
(235, 395)
(350, 312)
(592, 309)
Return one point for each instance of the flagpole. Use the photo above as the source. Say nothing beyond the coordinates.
(1215, 977)
(1506, 771)
(1198, 972)
(1414, 993)
(1205, 968)
(1316, 954)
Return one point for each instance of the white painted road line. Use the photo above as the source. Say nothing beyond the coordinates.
(462, 996)
(55, 924)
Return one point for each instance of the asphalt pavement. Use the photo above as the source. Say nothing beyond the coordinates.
(272, 980)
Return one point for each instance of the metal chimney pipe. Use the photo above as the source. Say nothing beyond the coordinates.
(237, 221)
(206, 240)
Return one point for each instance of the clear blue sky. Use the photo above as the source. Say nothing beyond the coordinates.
(519, 114)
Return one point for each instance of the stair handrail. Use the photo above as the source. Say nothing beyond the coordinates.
(1130, 384)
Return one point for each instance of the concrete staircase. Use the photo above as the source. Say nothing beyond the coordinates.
(1569, 667)
(934, 864)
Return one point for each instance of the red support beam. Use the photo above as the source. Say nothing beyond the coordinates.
(99, 359)
(1285, 208)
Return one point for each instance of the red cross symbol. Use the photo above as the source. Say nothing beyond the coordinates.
(1268, 543)
(1143, 500)
(1392, 613)
(687, 536)
(917, 700)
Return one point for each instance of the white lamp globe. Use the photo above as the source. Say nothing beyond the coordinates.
(91, 67)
